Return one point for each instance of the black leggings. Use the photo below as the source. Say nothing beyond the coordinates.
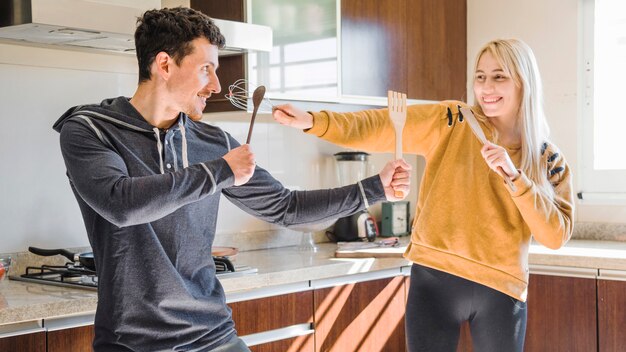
(439, 303)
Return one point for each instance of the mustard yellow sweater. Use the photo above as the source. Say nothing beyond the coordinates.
(468, 222)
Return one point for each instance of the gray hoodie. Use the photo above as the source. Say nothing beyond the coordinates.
(149, 199)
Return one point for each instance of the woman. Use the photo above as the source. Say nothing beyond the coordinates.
(471, 233)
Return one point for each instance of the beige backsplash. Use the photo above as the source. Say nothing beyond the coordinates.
(599, 231)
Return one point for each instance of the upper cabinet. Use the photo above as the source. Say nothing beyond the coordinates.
(414, 46)
(342, 50)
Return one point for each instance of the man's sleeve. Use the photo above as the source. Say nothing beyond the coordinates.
(101, 179)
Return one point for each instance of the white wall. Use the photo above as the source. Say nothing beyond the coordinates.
(37, 85)
(553, 30)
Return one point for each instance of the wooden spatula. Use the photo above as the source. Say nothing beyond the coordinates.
(478, 132)
(396, 102)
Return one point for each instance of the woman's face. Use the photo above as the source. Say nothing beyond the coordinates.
(496, 91)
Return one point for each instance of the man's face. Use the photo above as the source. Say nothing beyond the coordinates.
(193, 82)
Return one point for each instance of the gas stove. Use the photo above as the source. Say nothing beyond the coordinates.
(78, 276)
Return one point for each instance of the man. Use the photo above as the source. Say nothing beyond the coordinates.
(148, 176)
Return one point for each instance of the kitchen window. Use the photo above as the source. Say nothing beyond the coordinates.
(304, 61)
(603, 159)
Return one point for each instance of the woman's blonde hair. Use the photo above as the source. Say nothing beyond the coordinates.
(518, 62)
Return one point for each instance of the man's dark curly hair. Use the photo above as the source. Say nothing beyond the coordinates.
(172, 31)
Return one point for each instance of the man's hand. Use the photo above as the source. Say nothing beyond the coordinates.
(241, 162)
(395, 176)
(291, 116)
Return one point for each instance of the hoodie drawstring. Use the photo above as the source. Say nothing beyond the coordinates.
(182, 133)
(159, 148)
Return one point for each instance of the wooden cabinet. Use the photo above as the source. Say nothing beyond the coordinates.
(418, 47)
(364, 316)
(276, 312)
(78, 339)
(34, 342)
(50, 335)
(611, 315)
(561, 314)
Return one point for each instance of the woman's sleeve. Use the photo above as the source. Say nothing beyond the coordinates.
(372, 130)
(551, 222)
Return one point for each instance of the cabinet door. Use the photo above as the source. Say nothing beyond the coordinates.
(417, 46)
(35, 342)
(271, 313)
(71, 340)
(611, 315)
(366, 316)
(373, 47)
(561, 314)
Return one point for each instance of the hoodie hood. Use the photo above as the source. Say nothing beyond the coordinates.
(115, 110)
(120, 112)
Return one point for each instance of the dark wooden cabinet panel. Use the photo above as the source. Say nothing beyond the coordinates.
(437, 49)
(296, 344)
(366, 316)
(35, 342)
(232, 10)
(264, 314)
(418, 47)
(373, 46)
(561, 314)
(611, 315)
(71, 340)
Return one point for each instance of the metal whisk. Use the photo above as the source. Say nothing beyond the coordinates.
(240, 95)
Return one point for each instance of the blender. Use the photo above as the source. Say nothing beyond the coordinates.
(361, 226)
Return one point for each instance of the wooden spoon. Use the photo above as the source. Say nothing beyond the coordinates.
(257, 98)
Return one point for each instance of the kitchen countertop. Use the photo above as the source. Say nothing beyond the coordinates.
(22, 301)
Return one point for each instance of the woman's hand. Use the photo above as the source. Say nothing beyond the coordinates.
(499, 161)
(291, 116)
(395, 177)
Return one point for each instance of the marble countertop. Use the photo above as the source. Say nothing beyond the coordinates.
(22, 301)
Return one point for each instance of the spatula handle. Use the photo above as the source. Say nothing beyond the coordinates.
(398, 194)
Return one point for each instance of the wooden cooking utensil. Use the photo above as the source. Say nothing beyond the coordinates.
(478, 132)
(396, 102)
(257, 99)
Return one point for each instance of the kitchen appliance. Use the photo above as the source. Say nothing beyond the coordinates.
(352, 167)
(395, 219)
(73, 274)
(107, 25)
